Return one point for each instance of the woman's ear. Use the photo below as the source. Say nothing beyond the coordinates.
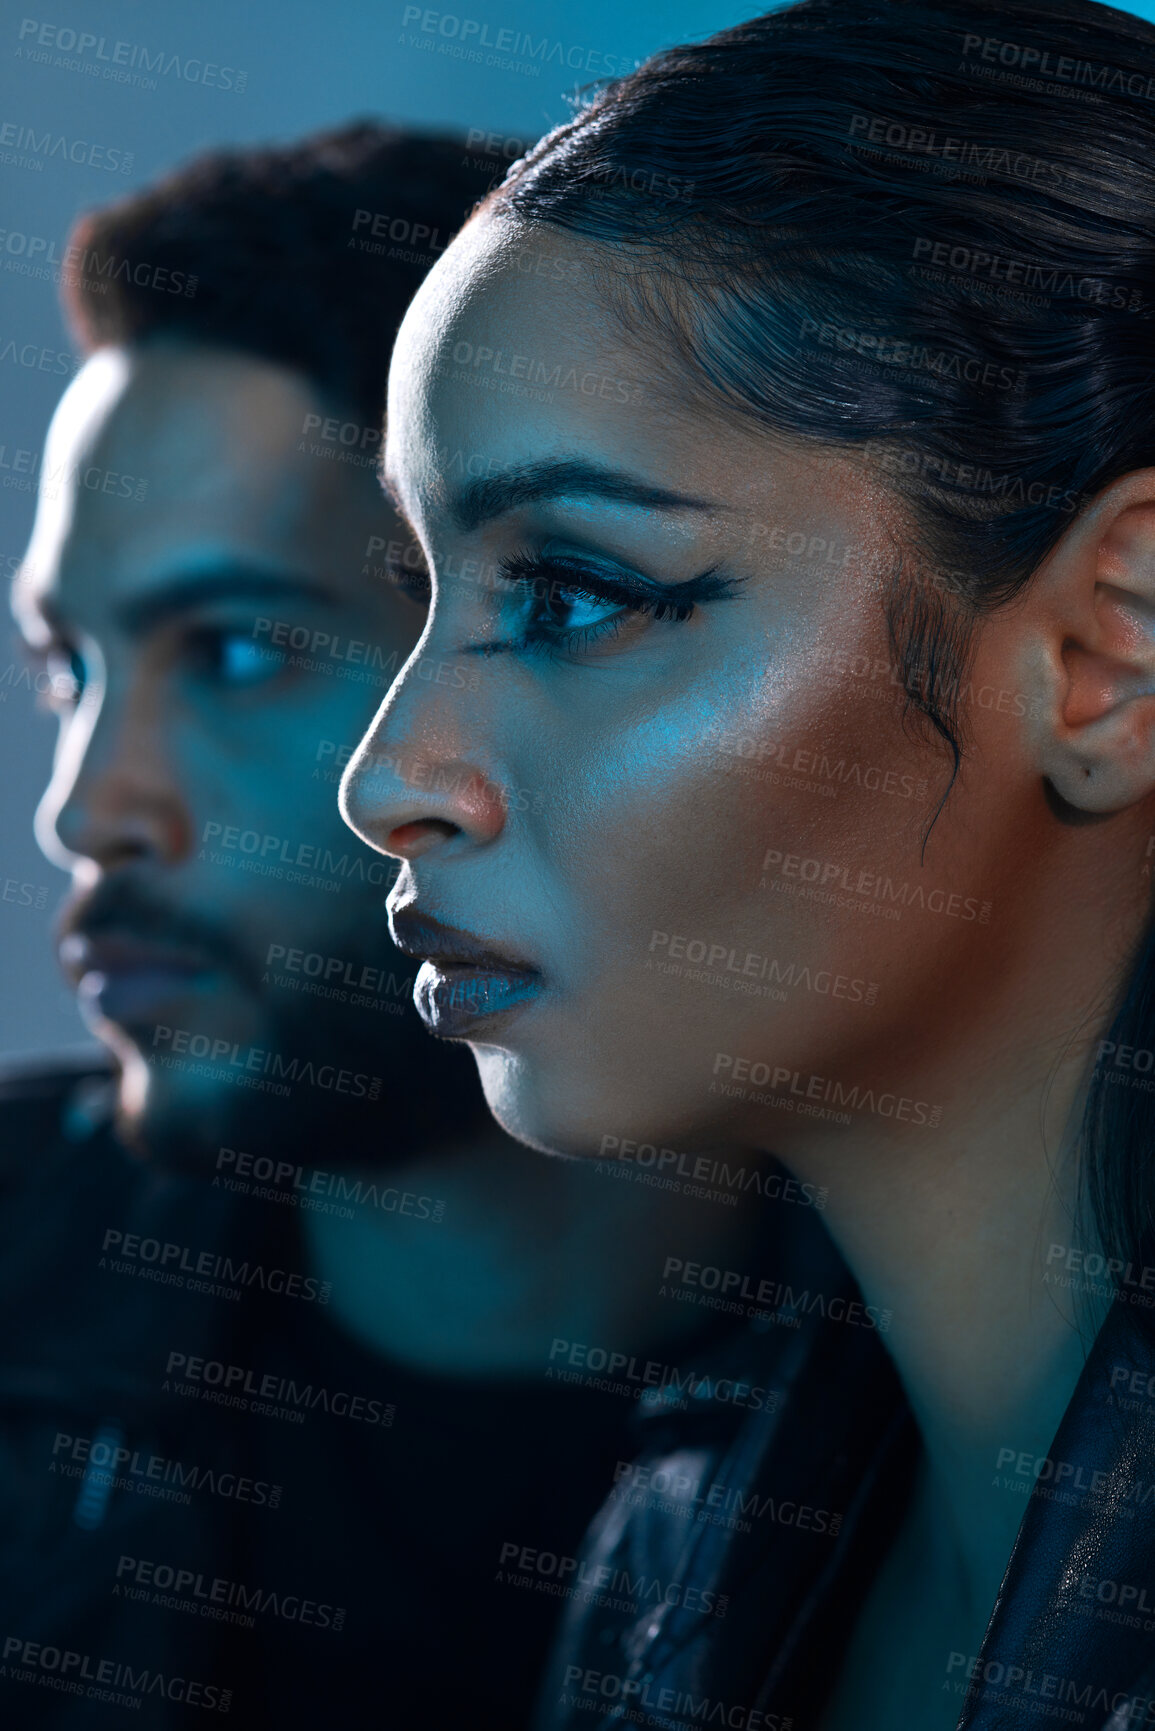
(1092, 621)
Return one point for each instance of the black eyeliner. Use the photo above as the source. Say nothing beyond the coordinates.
(524, 570)
(547, 577)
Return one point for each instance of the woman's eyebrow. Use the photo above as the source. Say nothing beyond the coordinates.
(482, 500)
(490, 496)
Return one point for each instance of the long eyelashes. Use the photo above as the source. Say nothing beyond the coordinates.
(551, 584)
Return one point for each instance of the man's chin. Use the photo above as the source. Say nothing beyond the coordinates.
(180, 1124)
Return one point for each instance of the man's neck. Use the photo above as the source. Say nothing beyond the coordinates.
(486, 1256)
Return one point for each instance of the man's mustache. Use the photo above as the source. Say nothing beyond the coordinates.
(121, 906)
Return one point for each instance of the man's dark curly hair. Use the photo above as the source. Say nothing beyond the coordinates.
(306, 254)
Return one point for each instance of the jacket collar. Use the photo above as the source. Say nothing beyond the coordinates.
(1074, 1622)
(1071, 1639)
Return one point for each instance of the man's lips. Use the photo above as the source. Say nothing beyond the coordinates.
(118, 953)
(464, 980)
(125, 977)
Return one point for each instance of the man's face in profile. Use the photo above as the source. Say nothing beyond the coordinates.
(217, 649)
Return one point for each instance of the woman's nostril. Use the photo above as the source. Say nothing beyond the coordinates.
(410, 839)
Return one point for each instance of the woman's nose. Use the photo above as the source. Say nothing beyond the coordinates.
(415, 781)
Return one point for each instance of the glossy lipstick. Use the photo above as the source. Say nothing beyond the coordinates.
(463, 982)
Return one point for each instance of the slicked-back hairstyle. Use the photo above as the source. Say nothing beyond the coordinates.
(306, 253)
(921, 234)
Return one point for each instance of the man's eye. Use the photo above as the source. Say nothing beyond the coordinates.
(233, 657)
(411, 582)
(66, 678)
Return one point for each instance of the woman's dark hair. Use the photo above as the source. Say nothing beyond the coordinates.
(306, 253)
(922, 235)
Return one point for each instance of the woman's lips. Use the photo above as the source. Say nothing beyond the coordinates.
(463, 981)
(453, 1000)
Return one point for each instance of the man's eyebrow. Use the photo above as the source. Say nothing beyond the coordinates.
(184, 592)
(490, 496)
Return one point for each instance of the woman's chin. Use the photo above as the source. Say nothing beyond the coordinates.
(568, 1108)
(536, 1105)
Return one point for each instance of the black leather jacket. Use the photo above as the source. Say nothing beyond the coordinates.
(756, 1539)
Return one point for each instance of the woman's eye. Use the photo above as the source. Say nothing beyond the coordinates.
(567, 607)
(233, 657)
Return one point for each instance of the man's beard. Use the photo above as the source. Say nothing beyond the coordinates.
(185, 1128)
(426, 1093)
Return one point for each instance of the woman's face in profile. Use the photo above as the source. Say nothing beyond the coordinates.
(652, 745)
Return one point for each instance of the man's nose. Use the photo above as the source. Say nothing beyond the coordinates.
(113, 796)
(419, 779)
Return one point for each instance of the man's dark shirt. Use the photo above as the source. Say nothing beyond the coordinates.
(329, 1561)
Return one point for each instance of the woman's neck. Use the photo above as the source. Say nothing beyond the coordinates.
(955, 1244)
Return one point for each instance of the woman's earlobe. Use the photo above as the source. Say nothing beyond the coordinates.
(1097, 653)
